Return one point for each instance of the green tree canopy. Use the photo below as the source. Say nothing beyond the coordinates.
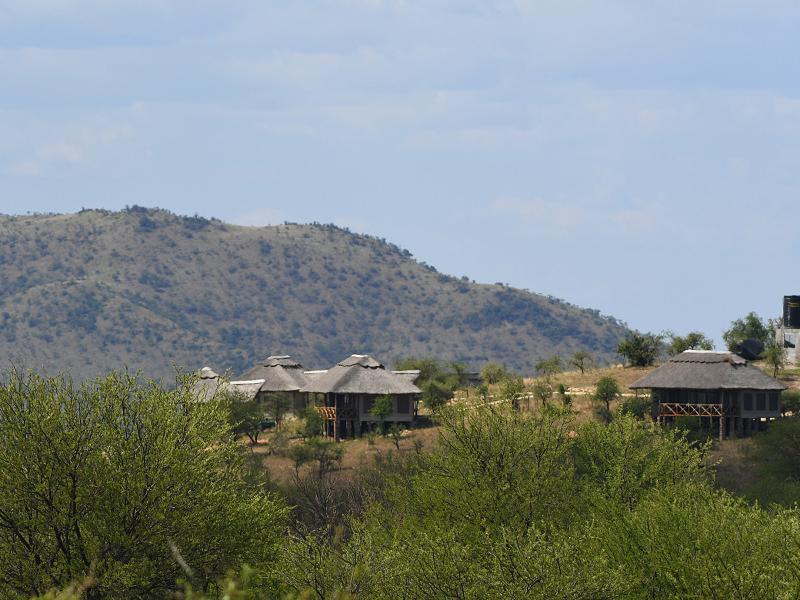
(640, 349)
(493, 373)
(750, 327)
(694, 340)
(606, 391)
(581, 360)
(118, 477)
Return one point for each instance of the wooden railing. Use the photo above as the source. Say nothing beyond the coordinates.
(331, 413)
(676, 409)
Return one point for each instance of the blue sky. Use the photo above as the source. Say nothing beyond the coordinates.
(642, 158)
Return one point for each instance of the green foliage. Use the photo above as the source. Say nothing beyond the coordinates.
(312, 422)
(581, 360)
(278, 405)
(790, 402)
(325, 452)
(779, 448)
(639, 407)
(606, 391)
(381, 408)
(246, 417)
(774, 355)
(114, 477)
(542, 390)
(436, 382)
(694, 340)
(493, 373)
(396, 434)
(750, 327)
(640, 349)
(512, 388)
(549, 366)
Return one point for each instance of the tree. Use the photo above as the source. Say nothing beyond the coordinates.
(326, 452)
(549, 366)
(640, 349)
(694, 340)
(542, 391)
(581, 360)
(458, 375)
(312, 422)
(512, 388)
(774, 355)
(381, 408)
(606, 390)
(493, 373)
(246, 416)
(277, 406)
(116, 477)
(750, 327)
(396, 434)
(435, 394)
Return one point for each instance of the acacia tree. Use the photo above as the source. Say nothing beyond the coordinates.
(246, 416)
(549, 366)
(640, 349)
(694, 340)
(581, 360)
(606, 390)
(115, 478)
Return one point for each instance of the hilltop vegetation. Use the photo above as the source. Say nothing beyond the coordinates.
(147, 289)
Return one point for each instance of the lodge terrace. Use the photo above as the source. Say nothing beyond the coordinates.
(721, 388)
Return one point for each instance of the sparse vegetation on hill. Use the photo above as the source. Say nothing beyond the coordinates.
(143, 288)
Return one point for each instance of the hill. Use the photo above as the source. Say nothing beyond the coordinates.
(148, 289)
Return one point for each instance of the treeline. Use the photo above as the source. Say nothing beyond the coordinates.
(125, 490)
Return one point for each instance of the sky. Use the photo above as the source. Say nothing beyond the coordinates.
(641, 158)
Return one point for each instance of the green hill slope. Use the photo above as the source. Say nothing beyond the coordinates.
(147, 289)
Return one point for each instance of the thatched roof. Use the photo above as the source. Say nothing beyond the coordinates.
(210, 383)
(704, 370)
(247, 390)
(360, 374)
(207, 385)
(280, 374)
(410, 374)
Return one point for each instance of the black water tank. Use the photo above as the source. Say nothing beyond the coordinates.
(791, 312)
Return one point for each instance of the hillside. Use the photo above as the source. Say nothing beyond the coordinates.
(147, 289)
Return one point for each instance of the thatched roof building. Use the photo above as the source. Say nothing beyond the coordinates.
(279, 373)
(707, 370)
(360, 374)
(718, 387)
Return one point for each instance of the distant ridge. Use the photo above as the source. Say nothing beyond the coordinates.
(148, 289)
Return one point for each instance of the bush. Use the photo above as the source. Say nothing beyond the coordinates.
(114, 478)
(790, 402)
(636, 407)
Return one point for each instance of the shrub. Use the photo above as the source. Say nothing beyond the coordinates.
(116, 476)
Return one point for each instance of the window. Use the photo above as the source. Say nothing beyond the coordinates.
(748, 401)
(761, 401)
(403, 405)
(773, 402)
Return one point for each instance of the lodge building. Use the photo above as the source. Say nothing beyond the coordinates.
(721, 388)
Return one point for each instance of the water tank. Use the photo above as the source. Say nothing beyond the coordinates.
(791, 312)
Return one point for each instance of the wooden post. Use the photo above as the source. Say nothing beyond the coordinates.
(721, 427)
